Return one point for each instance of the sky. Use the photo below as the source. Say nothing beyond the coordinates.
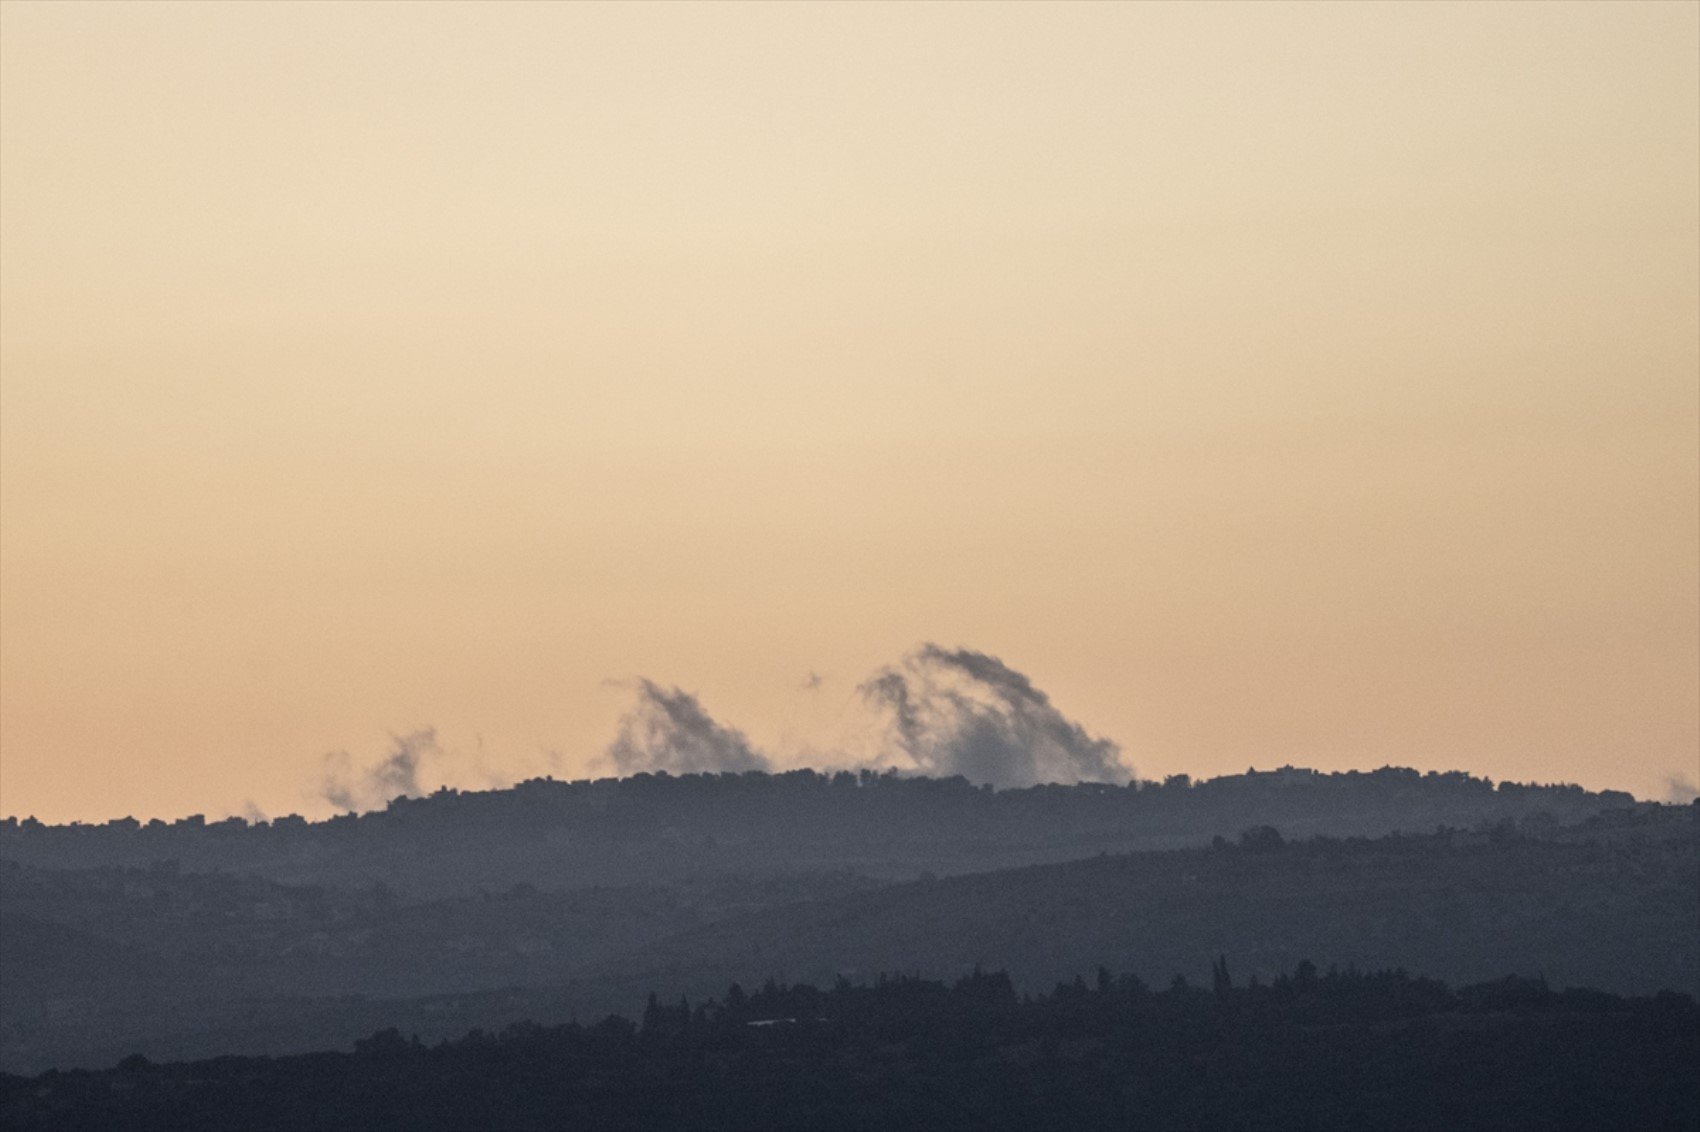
(1311, 384)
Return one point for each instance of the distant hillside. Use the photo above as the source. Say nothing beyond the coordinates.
(248, 966)
(661, 828)
(1606, 904)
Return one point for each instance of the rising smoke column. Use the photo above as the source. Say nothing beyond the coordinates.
(957, 711)
(667, 729)
(397, 775)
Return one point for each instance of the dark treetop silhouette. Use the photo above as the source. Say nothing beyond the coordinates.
(1336, 1050)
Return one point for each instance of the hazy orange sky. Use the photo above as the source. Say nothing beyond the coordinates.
(1313, 384)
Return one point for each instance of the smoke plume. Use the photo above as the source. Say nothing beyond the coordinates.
(937, 712)
(667, 729)
(397, 774)
(1680, 790)
(957, 711)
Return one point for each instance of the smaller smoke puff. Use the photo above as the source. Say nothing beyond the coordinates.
(957, 711)
(1680, 790)
(667, 729)
(397, 775)
(336, 784)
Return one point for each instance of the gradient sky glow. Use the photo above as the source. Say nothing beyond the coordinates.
(1270, 383)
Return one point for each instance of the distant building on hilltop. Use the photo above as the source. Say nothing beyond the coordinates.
(1283, 776)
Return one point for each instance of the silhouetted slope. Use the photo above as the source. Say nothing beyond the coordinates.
(40, 958)
(1621, 914)
(1342, 1050)
(107, 961)
(660, 828)
(251, 936)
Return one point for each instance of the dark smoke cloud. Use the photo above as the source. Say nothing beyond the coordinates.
(957, 711)
(667, 729)
(398, 774)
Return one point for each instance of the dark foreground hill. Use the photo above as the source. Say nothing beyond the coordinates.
(102, 963)
(1312, 1051)
(660, 829)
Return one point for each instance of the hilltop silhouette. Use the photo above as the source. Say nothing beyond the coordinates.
(661, 828)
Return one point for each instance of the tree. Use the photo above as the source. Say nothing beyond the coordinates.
(652, 1015)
